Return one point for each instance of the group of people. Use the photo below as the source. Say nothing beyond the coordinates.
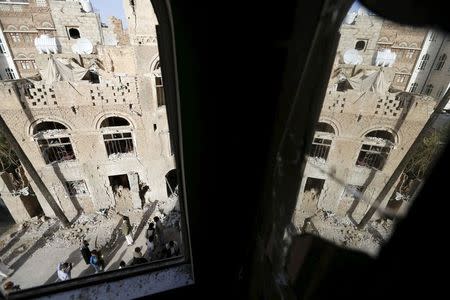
(92, 258)
(157, 248)
(155, 234)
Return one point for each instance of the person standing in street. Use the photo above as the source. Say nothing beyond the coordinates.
(95, 261)
(159, 230)
(126, 230)
(85, 252)
(137, 257)
(150, 247)
(64, 271)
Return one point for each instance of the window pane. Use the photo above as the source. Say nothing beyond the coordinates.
(97, 148)
(377, 132)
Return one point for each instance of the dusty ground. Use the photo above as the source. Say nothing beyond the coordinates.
(34, 249)
(340, 229)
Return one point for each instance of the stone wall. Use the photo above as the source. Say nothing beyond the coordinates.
(68, 14)
(81, 107)
(352, 115)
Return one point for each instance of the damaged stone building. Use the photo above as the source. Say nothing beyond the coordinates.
(93, 125)
(367, 122)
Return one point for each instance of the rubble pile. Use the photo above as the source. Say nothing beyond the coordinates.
(96, 228)
(342, 231)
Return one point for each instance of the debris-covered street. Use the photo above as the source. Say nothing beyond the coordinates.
(34, 249)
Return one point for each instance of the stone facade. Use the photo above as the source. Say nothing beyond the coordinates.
(141, 22)
(367, 123)
(22, 23)
(67, 16)
(406, 42)
(431, 73)
(365, 29)
(85, 164)
(81, 107)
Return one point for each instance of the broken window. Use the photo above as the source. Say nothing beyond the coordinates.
(53, 142)
(77, 188)
(114, 121)
(314, 185)
(117, 143)
(56, 149)
(160, 91)
(171, 182)
(160, 98)
(324, 127)
(381, 136)
(373, 156)
(353, 191)
(320, 148)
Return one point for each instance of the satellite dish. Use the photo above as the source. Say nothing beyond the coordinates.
(352, 57)
(86, 5)
(82, 46)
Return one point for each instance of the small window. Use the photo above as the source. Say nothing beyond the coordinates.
(409, 54)
(441, 61)
(360, 45)
(2, 47)
(432, 36)
(400, 78)
(424, 61)
(15, 37)
(10, 73)
(74, 33)
(413, 87)
(428, 89)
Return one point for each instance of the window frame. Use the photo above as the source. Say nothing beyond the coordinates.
(423, 62)
(127, 277)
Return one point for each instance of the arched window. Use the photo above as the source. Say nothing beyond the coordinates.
(114, 121)
(320, 145)
(53, 142)
(424, 61)
(160, 97)
(324, 127)
(375, 149)
(428, 89)
(441, 61)
(171, 182)
(360, 45)
(118, 141)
